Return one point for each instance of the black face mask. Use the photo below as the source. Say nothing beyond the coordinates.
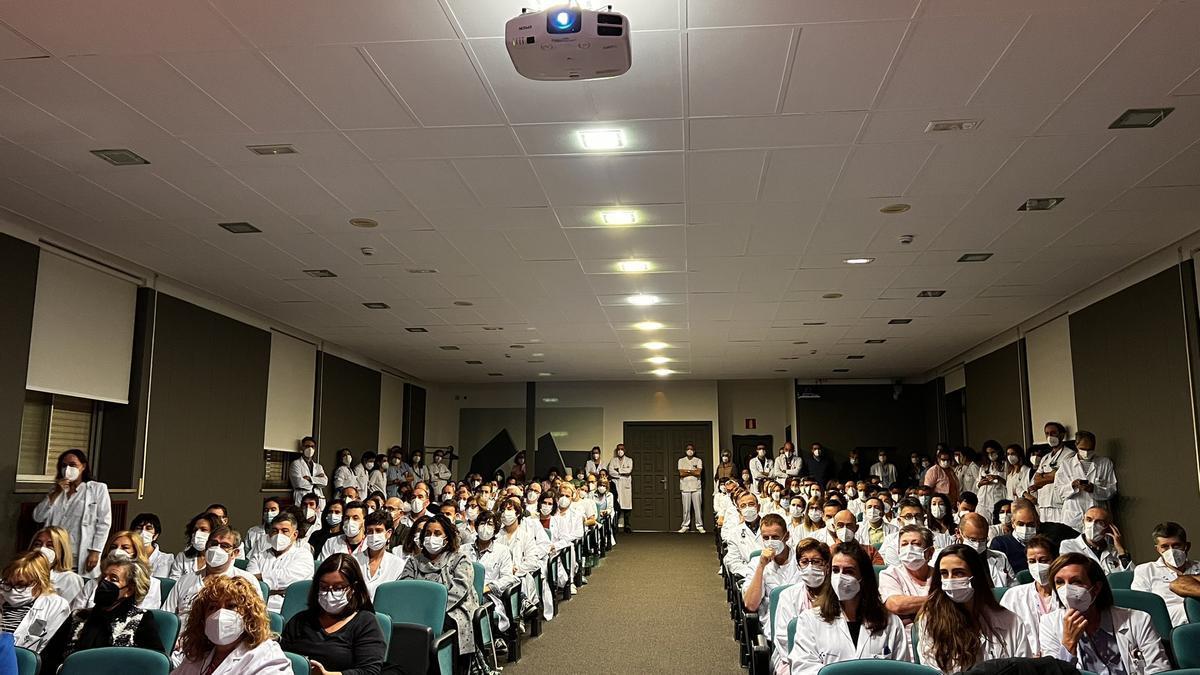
(107, 594)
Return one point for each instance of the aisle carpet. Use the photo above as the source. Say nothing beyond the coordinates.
(654, 605)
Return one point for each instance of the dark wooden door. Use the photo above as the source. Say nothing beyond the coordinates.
(656, 448)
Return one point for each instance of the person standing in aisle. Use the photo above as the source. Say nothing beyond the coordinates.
(593, 466)
(306, 473)
(80, 506)
(620, 468)
(691, 468)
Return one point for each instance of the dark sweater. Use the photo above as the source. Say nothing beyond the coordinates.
(101, 629)
(1015, 550)
(355, 649)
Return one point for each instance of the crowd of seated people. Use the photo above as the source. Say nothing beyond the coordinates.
(949, 561)
(534, 542)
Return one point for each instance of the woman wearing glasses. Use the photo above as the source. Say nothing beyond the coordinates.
(338, 632)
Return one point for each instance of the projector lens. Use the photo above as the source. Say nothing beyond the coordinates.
(564, 20)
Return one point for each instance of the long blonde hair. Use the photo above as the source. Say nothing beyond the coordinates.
(64, 561)
(221, 592)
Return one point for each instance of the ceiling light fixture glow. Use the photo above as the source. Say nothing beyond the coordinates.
(662, 372)
(859, 261)
(633, 266)
(893, 209)
(642, 300)
(658, 360)
(618, 217)
(602, 139)
(648, 325)
(655, 345)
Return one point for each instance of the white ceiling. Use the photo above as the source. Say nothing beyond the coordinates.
(762, 139)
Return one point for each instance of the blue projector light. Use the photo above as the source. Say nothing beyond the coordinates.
(564, 20)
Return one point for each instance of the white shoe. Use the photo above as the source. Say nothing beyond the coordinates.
(682, 530)
(700, 530)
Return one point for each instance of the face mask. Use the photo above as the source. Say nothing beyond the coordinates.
(1053, 442)
(71, 473)
(1095, 531)
(945, 464)
(334, 602)
(281, 542)
(912, 520)
(874, 515)
(395, 461)
(199, 540)
(310, 514)
(925, 499)
(1084, 455)
(107, 593)
(334, 519)
(725, 459)
(1005, 518)
(601, 489)
(620, 453)
(564, 502)
(346, 460)
(882, 459)
(18, 596)
(958, 590)
(979, 546)
(376, 540)
(215, 556)
(1014, 459)
(776, 496)
(771, 547)
(418, 505)
(815, 515)
(924, 464)
(797, 512)
(309, 452)
(844, 586)
(1040, 572)
(474, 484)
(120, 554)
(817, 453)
(690, 453)
(268, 516)
(462, 504)
(1022, 533)
(844, 533)
(473, 513)
(762, 453)
(546, 509)
(750, 513)
(1075, 597)
(48, 553)
(486, 532)
(812, 576)
(508, 518)
(434, 544)
(853, 461)
(851, 492)
(1172, 556)
(912, 556)
(370, 465)
(938, 511)
(745, 478)
(992, 455)
(224, 627)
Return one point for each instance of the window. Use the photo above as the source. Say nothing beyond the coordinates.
(51, 424)
(275, 469)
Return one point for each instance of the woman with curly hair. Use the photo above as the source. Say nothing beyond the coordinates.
(228, 632)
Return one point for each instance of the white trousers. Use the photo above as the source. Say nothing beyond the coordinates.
(691, 505)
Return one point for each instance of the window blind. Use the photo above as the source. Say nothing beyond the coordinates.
(291, 390)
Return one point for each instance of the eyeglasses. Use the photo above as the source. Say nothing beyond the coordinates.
(7, 587)
(228, 548)
(334, 589)
(817, 563)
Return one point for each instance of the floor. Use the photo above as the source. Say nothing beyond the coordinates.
(654, 605)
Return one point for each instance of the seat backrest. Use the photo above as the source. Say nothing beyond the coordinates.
(873, 667)
(413, 601)
(168, 628)
(1121, 581)
(1024, 577)
(791, 634)
(999, 591)
(479, 578)
(266, 590)
(775, 601)
(116, 661)
(1148, 603)
(165, 584)
(1192, 607)
(755, 553)
(276, 620)
(916, 643)
(879, 568)
(299, 663)
(295, 599)
(28, 663)
(241, 563)
(385, 625)
(1185, 640)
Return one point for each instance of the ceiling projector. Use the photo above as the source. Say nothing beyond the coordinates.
(569, 42)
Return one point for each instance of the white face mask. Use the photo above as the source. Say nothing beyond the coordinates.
(334, 602)
(71, 473)
(352, 528)
(369, 465)
(281, 542)
(1005, 518)
(18, 596)
(1094, 531)
(1040, 572)
(844, 533)
(874, 515)
(546, 509)
(1084, 455)
(434, 543)
(268, 516)
(913, 557)
(815, 515)
(979, 546)
(376, 540)
(1022, 533)
(215, 556)
(310, 513)
(309, 452)
(1172, 556)
(48, 553)
(120, 554)
(224, 627)
(508, 518)
(1014, 459)
(601, 490)
(776, 496)
(564, 502)
(620, 453)
(844, 586)
(812, 576)
(147, 538)
(334, 519)
(1053, 441)
(944, 463)
(937, 511)
(485, 532)
(1075, 597)
(199, 539)
(418, 505)
(346, 460)
(958, 590)
(690, 453)
(797, 512)
(771, 547)
(749, 513)
(851, 492)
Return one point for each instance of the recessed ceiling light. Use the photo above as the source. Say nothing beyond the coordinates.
(545, 374)
(493, 327)
(516, 346)
(952, 125)
(800, 342)
(422, 271)
(536, 361)
(537, 354)
(1040, 203)
(781, 370)
(120, 157)
(1140, 118)
(239, 228)
(841, 370)
(474, 363)
(658, 360)
(449, 348)
(899, 322)
(277, 149)
(633, 266)
(320, 274)
(859, 261)
(855, 357)
(875, 342)
(550, 399)
(641, 299)
(417, 329)
(618, 217)
(655, 345)
(495, 374)
(974, 257)
(662, 372)
(647, 325)
(814, 323)
(376, 305)
(892, 209)
(789, 358)
(365, 223)
(463, 303)
(931, 294)
(601, 139)
(832, 296)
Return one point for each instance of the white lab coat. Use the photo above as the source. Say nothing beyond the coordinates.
(255, 541)
(1099, 471)
(305, 479)
(389, 569)
(785, 467)
(377, 481)
(991, 493)
(41, 622)
(87, 532)
(499, 575)
(619, 471)
(819, 643)
(1109, 560)
(278, 571)
(87, 598)
(160, 562)
(360, 479)
(265, 659)
(530, 548)
(1141, 649)
(1002, 572)
(1155, 577)
(183, 563)
(592, 468)
(792, 602)
(886, 473)
(1049, 499)
(759, 469)
(343, 477)
(67, 584)
(179, 600)
(740, 543)
(774, 575)
(1027, 604)
(439, 475)
(339, 544)
(1013, 641)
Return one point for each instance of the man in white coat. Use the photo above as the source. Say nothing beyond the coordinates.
(973, 530)
(306, 473)
(742, 537)
(1101, 541)
(776, 567)
(787, 464)
(620, 468)
(760, 468)
(884, 469)
(1172, 545)
(1083, 480)
(691, 468)
(1049, 502)
(282, 561)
